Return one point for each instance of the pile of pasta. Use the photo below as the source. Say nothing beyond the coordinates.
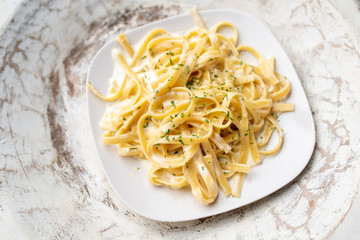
(192, 107)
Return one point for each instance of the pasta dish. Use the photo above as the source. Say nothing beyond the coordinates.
(193, 107)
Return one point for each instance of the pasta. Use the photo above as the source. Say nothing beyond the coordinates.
(194, 108)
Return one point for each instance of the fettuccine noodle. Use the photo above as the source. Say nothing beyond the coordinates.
(194, 108)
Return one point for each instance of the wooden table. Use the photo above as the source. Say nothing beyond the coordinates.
(51, 182)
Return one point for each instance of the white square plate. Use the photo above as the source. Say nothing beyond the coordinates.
(128, 176)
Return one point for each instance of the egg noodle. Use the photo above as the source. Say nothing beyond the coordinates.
(194, 108)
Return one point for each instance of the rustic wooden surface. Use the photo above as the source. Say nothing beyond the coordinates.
(51, 183)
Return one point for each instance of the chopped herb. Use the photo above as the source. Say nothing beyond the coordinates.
(133, 148)
(170, 53)
(206, 120)
(173, 103)
(171, 61)
(167, 131)
(157, 144)
(182, 143)
(180, 64)
(156, 91)
(124, 119)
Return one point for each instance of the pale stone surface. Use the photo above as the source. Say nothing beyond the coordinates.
(51, 182)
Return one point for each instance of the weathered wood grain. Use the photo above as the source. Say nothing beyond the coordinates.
(51, 183)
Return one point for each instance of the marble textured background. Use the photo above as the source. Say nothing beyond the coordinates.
(51, 183)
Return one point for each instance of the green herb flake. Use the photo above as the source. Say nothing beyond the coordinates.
(188, 69)
(167, 131)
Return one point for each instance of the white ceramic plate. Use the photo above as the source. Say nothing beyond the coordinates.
(128, 176)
